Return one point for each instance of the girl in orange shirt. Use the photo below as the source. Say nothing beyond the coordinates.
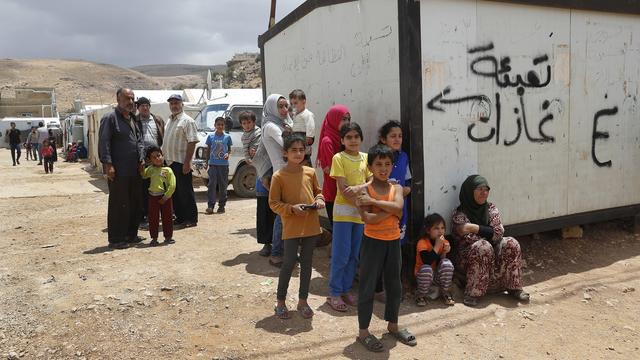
(431, 257)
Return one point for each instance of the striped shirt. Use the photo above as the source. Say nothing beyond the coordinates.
(178, 132)
(149, 132)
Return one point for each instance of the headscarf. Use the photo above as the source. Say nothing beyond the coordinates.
(261, 160)
(331, 130)
(477, 213)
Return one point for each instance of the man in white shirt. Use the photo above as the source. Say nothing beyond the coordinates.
(179, 143)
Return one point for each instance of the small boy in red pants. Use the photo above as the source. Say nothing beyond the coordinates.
(161, 188)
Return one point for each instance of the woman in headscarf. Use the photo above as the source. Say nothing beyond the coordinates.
(268, 160)
(329, 145)
(491, 262)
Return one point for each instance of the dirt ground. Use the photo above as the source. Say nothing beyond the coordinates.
(65, 295)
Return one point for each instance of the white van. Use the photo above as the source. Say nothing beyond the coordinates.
(228, 103)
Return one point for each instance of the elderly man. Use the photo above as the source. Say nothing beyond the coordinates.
(180, 139)
(121, 152)
(152, 127)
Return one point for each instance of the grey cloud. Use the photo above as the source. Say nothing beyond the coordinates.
(134, 32)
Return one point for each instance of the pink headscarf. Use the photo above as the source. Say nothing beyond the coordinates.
(331, 132)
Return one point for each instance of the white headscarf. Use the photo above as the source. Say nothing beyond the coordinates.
(270, 114)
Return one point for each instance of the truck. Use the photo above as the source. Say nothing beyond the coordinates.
(228, 103)
(540, 97)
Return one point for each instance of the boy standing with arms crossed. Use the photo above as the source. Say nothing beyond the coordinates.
(303, 121)
(381, 209)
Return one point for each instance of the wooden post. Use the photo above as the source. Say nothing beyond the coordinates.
(272, 16)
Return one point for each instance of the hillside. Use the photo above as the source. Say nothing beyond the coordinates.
(96, 83)
(73, 79)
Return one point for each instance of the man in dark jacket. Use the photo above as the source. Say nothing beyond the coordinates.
(121, 152)
(152, 127)
(14, 141)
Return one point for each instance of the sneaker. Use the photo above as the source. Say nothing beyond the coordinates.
(209, 211)
(169, 241)
(154, 242)
(221, 210)
(266, 250)
(118, 245)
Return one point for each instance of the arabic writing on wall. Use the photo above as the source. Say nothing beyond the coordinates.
(499, 71)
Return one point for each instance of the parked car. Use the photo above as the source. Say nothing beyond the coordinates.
(242, 176)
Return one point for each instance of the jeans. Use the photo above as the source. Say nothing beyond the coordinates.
(345, 254)
(15, 148)
(276, 239)
(37, 146)
(218, 178)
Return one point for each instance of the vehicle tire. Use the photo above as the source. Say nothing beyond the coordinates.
(244, 181)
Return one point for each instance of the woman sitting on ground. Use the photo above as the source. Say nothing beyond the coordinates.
(490, 261)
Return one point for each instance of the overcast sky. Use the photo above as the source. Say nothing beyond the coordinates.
(135, 32)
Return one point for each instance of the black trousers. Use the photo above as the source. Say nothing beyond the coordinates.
(145, 199)
(125, 202)
(184, 199)
(291, 246)
(264, 220)
(376, 257)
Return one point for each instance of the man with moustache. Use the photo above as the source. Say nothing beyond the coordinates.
(179, 143)
(121, 152)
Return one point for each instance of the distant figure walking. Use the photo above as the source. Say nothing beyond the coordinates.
(14, 141)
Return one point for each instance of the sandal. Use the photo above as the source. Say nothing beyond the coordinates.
(371, 343)
(282, 312)
(337, 304)
(405, 337)
(520, 295)
(421, 301)
(349, 299)
(471, 301)
(305, 311)
(447, 298)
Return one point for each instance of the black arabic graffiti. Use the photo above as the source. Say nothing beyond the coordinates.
(499, 70)
(483, 101)
(491, 67)
(595, 135)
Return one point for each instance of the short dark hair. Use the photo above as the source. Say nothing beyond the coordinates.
(351, 127)
(247, 115)
(40, 124)
(379, 151)
(219, 118)
(297, 94)
(151, 149)
(386, 129)
(430, 221)
(12, 123)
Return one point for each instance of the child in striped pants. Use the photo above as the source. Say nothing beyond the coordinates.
(432, 265)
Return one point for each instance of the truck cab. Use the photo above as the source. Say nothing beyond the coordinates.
(242, 175)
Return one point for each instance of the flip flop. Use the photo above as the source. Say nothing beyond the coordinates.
(405, 337)
(282, 312)
(337, 304)
(421, 301)
(305, 311)
(520, 295)
(371, 343)
(349, 299)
